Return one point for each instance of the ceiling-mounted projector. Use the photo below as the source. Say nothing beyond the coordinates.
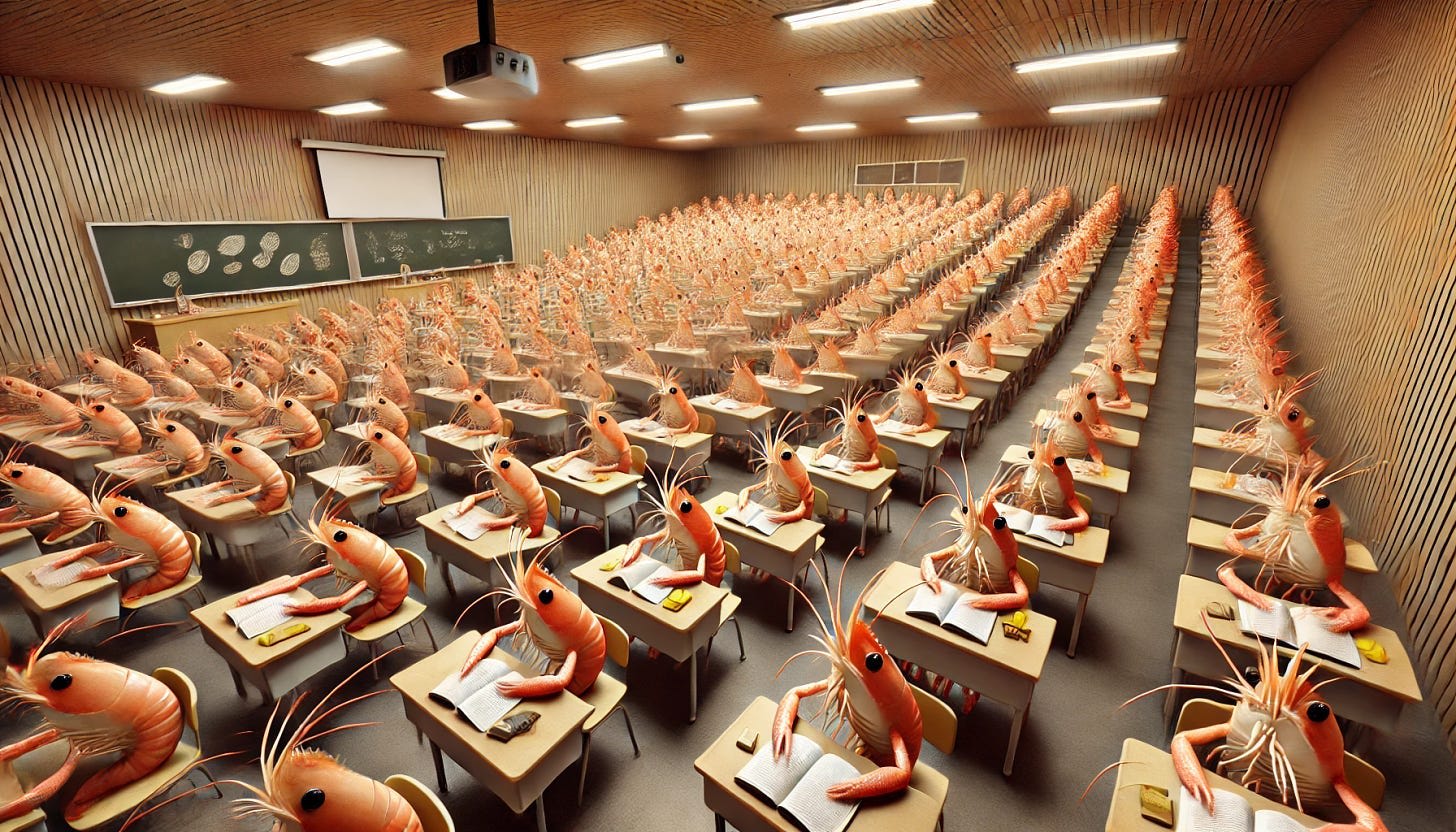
(487, 69)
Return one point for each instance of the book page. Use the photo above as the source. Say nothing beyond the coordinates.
(1268, 820)
(1231, 813)
(454, 689)
(1311, 628)
(754, 516)
(932, 606)
(1041, 530)
(52, 577)
(1274, 624)
(730, 404)
(578, 469)
(809, 808)
(830, 461)
(771, 780)
(628, 577)
(486, 706)
(257, 618)
(650, 592)
(1019, 519)
(966, 620)
(471, 524)
(894, 426)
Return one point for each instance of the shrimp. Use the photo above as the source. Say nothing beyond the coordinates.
(251, 467)
(537, 393)
(944, 376)
(394, 387)
(178, 450)
(97, 708)
(194, 372)
(1069, 426)
(744, 386)
(105, 426)
(312, 384)
(856, 440)
(592, 384)
(296, 423)
(149, 361)
(241, 398)
(203, 350)
(1107, 383)
(515, 485)
(40, 497)
(391, 459)
(912, 406)
(29, 404)
(786, 478)
(124, 388)
(142, 536)
(383, 411)
(478, 415)
(1044, 485)
(784, 369)
(673, 410)
(690, 532)
(607, 447)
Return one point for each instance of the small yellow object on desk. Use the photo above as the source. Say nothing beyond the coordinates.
(677, 599)
(610, 565)
(1015, 626)
(722, 509)
(1372, 650)
(748, 740)
(1231, 480)
(282, 633)
(1156, 804)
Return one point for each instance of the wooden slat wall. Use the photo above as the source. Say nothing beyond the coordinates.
(71, 154)
(1196, 143)
(1358, 222)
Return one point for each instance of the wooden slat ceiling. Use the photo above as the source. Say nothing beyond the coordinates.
(962, 49)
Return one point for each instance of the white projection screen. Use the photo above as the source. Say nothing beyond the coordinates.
(360, 184)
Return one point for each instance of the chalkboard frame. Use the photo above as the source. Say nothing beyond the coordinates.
(354, 261)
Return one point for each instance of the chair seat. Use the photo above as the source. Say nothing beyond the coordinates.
(728, 608)
(129, 797)
(281, 510)
(408, 611)
(185, 585)
(420, 487)
(295, 453)
(68, 536)
(928, 781)
(33, 819)
(604, 697)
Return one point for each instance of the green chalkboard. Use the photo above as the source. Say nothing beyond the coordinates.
(424, 245)
(143, 263)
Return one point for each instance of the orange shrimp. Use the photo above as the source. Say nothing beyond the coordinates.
(268, 370)
(784, 369)
(354, 555)
(97, 708)
(28, 404)
(394, 387)
(1107, 382)
(787, 480)
(515, 485)
(592, 384)
(194, 372)
(944, 375)
(40, 497)
(1044, 485)
(538, 393)
(125, 388)
(392, 460)
(296, 423)
(203, 350)
(172, 389)
(478, 415)
(673, 410)
(556, 632)
(607, 447)
(856, 439)
(239, 397)
(107, 427)
(744, 386)
(1069, 426)
(149, 361)
(251, 467)
(690, 531)
(178, 450)
(383, 411)
(912, 406)
(142, 536)
(993, 579)
(312, 384)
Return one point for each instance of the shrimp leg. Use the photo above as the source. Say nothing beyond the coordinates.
(45, 789)
(788, 712)
(1017, 598)
(883, 780)
(543, 685)
(634, 549)
(470, 502)
(318, 606)
(1185, 760)
(9, 525)
(1353, 617)
(928, 571)
(1366, 820)
(487, 643)
(282, 584)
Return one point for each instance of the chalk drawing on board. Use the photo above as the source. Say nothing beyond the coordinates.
(183, 240)
(198, 261)
(289, 266)
(232, 268)
(270, 242)
(173, 279)
(318, 251)
(231, 245)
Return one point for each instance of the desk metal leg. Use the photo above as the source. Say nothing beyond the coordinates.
(719, 823)
(789, 627)
(1172, 699)
(541, 814)
(439, 767)
(864, 531)
(1016, 723)
(1077, 625)
(693, 687)
(607, 532)
(238, 683)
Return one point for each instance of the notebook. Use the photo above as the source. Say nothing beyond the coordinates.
(730, 404)
(637, 579)
(52, 577)
(1034, 525)
(951, 609)
(471, 524)
(651, 427)
(579, 469)
(1294, 624)
(754, 516)
(1231, 813)
(257, 618)
(894, 426)
(474, 696)
(796, 784)
(832, 462)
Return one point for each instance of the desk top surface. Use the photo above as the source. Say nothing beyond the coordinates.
(862, 480)
(344, 480)
(1112, 479)
(605, 484)
(229, 512)
(213, 618)
(54, 598)
(788, 538)
(702, 610)
(748, 413)
(490, 545)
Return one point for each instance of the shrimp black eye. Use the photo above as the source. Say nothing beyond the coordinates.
(288, 402)
(1031, 454)
(1116, 368)
(119, 511)
(16, 473)
(340, 536)
(1251, 675)
(859, 418)
(1061, 460)
(601, 420)
(873, 662)
(1077, 417)
(684, 507)
(545, 596)
(99, 408)
(505, 463)
(1293, 414)
(477, 397)
(61, 682)
(999, 523)
(954, 362)
(1091, 396)
(672, 391)
(312, 800)
(238, 384)
(381, 401)
(171, 428)
(1317, 712)
(919, 386)
(378, 435)
(236, 449)
(1322, 502)
(785, 455)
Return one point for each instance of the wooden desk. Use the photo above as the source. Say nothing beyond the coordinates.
(486, 558)
(99, 599)
(920, 451)
(1142, 763)
(237, 523)
(278, 669)
(1374, 695)
(962, 415)
(444, 443)
(76, 463)
(517, 772)
(985, 382)
(17, 545)
(909, 811)
(1006, 670)
(785, 554)
(679, 635)
(868, 369)
(836, 385)
(686, 360)
(1012, 358)
(1105, 490)
(362, 497)
(1072, 567)
(125, 467)
(610, 494)
(163, 334)
(739, 422)
(630, 385)
(503, 387)
(549, 424)
(802, 398)
(439, 403)
(1139, 382)
(672, 451)
(1215, 502)
(1218, 412)
(1206, 552)
(1210, 452)
(1116, 450)
(860, 492)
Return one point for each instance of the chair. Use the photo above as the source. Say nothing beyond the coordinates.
(888, 459)
(1030, 573)
(639, 459)
(297, 455)
(409, 613)
(424, 469)
(416, 419)
(508, 428)
(708, 424)
(606, 697)
(429, 809)
(728, 609)
(191, 583)
(821, 502)
(939, 727)
(183, 760)
(1365, 779)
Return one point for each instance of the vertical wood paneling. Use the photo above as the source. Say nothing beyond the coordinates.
(1196, 143)
(1358, 222)
(73, 154)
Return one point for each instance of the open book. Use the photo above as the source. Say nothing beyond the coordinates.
(1034, 525)
(471, 524)
(951, 608)
(726, 403)
(651, 427)
(1293, 625)
(257, 618)
(53, 577)
(1231, 813)
(894, 426)
(637, 578)
(754, 516)
(474, 696)
(579, 469)
(832, 462)
(796, 784)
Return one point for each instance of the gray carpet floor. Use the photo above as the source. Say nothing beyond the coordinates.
(1074, 730)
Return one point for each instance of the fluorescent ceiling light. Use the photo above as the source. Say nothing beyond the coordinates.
(718, 104)
(845, 12)
(686, 137)
(351, 108)
(823, 128)
(1126, 103)
(617, 57)
(597, 121)
(877, 86)
(189, 83)
(490, 124)
(1101, 56)
(359, 50)
(966, 116)
(448, 94)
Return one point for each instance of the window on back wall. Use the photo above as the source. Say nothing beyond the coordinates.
(927, 172)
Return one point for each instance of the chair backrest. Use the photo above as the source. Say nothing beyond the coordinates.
(731, 559)
(639, 459)
(937, 721)
(326, 427)
(1085, 501)
(508, 428)
(619, 644)
(292, 482)
(194, 543)
(553, 503)
(821, 502)
(1030, 573)
(1365, 779)
(887, 456)
(425, 464)
(186, 693)
(707, 423)
(431, 812)
(415, 566)
(416, 419)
